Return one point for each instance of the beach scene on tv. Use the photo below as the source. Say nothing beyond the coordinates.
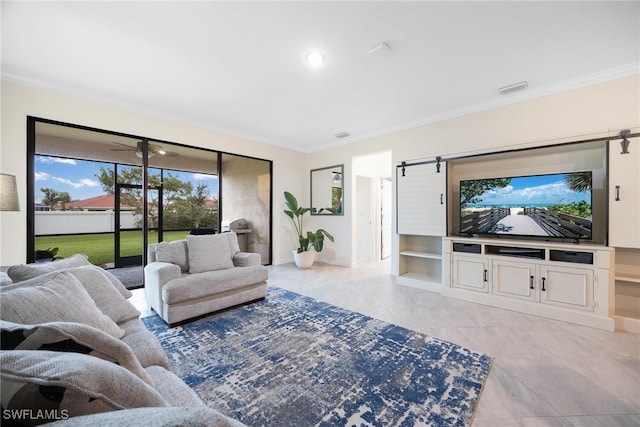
(557, 205)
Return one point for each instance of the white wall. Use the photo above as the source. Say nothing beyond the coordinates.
(367, 236)
(20, 101)
(592, 111)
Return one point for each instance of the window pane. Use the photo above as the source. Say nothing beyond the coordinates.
(246, 195)
(70, 199)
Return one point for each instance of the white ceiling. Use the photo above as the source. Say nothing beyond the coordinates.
(238, 67)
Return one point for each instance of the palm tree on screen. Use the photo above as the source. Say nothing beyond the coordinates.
(579, 181)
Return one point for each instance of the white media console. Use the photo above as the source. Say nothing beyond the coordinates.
(560, 281)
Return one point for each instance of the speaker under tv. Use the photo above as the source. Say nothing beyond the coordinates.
(571, 256)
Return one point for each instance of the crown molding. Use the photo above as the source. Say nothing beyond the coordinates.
(508, 99)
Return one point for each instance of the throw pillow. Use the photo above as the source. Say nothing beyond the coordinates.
(22, 272)
(60, 299)
(208, 253)
(173, 252)
(71, 337)
(126, 293)
(69, 384)
(233, 242)
(97, 284)
(106, 296)
(5, 279)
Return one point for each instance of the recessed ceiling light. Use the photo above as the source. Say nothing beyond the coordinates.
(342, 134)
(315, 58)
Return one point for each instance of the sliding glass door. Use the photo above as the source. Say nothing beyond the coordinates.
(86, 186)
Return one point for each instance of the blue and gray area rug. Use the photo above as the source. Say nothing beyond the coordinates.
(293, 361)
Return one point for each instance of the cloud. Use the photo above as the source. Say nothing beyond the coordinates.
(89, 182)
(44, 159)
(77, 184)
(42, 176)
(546, 193)
(500, 192)
(203, 177)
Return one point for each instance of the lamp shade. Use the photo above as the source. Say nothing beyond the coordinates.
(8, 193)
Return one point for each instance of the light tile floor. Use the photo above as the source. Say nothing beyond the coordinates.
(545, 372)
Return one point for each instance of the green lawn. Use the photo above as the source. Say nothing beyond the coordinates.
(100, 247)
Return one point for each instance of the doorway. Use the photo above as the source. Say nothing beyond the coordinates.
(128, 240)
(128, 236)
(372, 213)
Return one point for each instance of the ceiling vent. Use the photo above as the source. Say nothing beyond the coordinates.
(380, 50)
(342, 135)
(513, 87)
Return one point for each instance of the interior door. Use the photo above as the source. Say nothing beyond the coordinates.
(624, 195)
(364, 218)
(421, 206)
(385, 218)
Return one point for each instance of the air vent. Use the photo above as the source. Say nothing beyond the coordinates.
(342, 134)
(380, 50)
(513, 87)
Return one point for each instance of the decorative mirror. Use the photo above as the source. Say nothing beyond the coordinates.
(326, 190)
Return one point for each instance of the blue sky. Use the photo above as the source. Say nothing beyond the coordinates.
(78, 177)
(543, 189)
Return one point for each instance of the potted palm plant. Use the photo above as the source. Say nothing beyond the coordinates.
(309, 243)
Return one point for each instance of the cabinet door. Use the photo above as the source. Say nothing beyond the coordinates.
(513, 279)
(567, 287)
(470, 273)
(624, 195)
(421, 203)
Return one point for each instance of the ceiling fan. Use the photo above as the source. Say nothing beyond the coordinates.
(152, 150)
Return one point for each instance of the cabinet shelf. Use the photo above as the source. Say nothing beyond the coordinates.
(626, 292)
(631, 314)
(425, 282)
(418, 254)
(421, 277)
(629, 322)
(420, 262)
(631, 278)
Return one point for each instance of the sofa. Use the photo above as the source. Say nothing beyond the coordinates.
(201, 274)
(75, 352)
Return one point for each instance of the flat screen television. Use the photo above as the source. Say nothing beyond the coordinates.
(552, 206)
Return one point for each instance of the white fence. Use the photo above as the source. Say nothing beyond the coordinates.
(74, 222)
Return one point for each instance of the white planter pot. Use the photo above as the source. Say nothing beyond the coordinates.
(304, 259)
